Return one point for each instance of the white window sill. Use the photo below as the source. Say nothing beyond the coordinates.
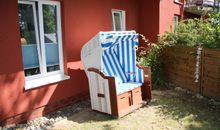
(178, 2)
(31, 84)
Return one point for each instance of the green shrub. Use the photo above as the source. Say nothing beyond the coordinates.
(151, 56)
(195, 32)
(191, 33)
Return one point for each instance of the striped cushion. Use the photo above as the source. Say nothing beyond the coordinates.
(112, 66)
(126, 53)
(122, 88)
(139, 76)
(107, 38)
(107, 42)
(119, 57)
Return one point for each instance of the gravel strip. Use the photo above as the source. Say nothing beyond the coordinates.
(45, 122)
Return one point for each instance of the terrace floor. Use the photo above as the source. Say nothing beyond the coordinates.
(169, 110)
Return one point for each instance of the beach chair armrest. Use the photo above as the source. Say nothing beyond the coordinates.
(95, 70)
(147, 82)
(111, 89)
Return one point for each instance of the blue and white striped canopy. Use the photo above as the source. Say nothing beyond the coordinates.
(119, 57)
(110, 39)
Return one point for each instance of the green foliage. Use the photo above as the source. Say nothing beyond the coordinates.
(213, 25)
(183, 34)
(191, 33)
(150, 56)
(196, 32)
(154, 62)
(27, 29)
(49, 13)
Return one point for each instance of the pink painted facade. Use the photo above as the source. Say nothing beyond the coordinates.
(168, 9)
(81, 20)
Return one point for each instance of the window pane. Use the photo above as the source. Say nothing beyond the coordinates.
(51, 37)
(117, 18)
(175, 21)
(28, 40)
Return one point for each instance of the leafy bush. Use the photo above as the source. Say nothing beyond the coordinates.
(195, 32)
(150, 56)
(191, 33)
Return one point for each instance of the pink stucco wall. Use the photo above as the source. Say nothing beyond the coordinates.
(168, 8)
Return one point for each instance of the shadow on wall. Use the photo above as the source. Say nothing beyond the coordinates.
(69, 91)
(16, 104)
(19, 105)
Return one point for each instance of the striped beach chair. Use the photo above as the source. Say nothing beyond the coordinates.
(117, 85)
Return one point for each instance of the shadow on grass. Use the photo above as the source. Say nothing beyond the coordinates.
(191, 113)
(168, 109)
(90, 116)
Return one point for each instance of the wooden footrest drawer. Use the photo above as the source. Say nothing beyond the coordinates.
(123, 101)
(137, 95)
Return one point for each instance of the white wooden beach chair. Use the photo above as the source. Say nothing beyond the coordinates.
(117, 85)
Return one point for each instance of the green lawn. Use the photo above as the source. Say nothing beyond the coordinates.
(169, 110)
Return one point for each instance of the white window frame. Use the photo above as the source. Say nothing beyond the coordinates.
(178, 1)
(45, 77)
(175, 20)
(122, 19)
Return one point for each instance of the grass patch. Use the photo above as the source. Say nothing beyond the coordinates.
(169, 110)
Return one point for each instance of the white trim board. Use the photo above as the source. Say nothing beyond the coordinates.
(122, 15)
